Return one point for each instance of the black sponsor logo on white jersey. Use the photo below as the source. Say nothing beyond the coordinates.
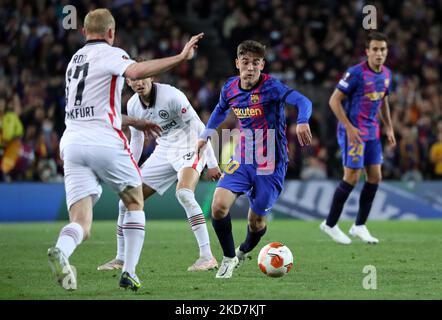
(169, 125)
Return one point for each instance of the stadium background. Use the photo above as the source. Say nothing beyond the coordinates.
(309, 47)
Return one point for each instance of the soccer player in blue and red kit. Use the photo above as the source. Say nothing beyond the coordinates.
(258, 101)
(360, 97)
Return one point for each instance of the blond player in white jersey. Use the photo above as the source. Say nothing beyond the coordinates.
(94, 148)
(173, 159)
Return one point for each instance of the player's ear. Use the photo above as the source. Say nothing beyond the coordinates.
(110, 33)
(263, 63)
(237, 63)
(83, 32)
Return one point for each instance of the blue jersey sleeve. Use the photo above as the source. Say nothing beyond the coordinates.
(349, 81)
(294, 98)
(217, 117)
(283, 90)
(303, 103)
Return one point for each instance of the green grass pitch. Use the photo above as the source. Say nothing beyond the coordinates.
(407, 262)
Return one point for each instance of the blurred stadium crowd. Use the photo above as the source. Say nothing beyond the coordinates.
(310, 45)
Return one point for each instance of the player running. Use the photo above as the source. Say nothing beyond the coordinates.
(174, 158)
(356, 102)
(258, 101)
(94, 148)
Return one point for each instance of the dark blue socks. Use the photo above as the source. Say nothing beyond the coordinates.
(341, 195)
(365, 201)
(252, 239)
(223, 230)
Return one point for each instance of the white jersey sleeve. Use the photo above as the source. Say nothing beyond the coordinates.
(117, 61)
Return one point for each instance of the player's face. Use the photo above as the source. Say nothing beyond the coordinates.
(377, 52)
(250, 67)
(141, 86)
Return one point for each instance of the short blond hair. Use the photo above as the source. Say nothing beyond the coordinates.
(98, 21)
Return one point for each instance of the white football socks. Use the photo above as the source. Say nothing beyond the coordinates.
(186, 198)
(133, 231)
(70, 237)
(120, 236)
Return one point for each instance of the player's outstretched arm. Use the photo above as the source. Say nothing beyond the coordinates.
(335, 103)
(386, 119)
(150, 68)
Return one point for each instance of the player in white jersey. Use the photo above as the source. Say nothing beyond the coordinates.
(94, 148)
(173, 159)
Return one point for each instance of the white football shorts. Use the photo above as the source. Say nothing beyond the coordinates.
(163, 167)
(86, 166)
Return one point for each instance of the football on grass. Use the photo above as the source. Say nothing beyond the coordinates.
(275, 259)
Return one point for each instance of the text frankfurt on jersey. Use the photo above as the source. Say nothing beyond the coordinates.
(83, 112)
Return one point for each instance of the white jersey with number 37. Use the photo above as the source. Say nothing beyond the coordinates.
(93, 96)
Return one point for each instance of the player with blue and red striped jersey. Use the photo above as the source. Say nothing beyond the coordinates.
(259, 164)
(360, 96)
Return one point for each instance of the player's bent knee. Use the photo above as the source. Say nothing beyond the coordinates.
(219, 210)
(133, 198)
